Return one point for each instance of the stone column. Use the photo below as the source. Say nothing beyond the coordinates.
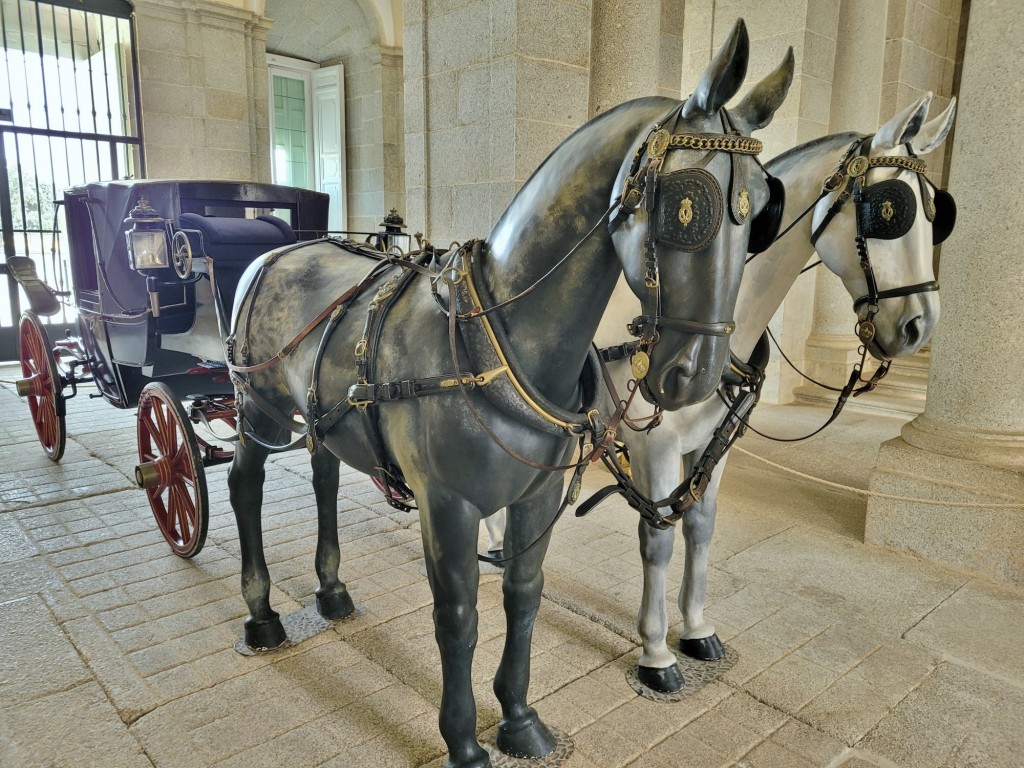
(620, 72)
(856, 91)
(968, 445)
(492, 86)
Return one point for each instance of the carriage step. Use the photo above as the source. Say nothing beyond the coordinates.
(41, 297)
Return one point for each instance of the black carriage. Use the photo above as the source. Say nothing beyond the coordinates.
(154, 268)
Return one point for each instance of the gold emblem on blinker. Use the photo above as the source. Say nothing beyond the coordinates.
(641, 363)
(686, 211)
(887, 210)
(744, 204)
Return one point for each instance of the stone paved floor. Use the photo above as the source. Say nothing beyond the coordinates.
(117, 653)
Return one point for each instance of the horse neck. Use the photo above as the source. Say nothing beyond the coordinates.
(768, 278)
(552, 326)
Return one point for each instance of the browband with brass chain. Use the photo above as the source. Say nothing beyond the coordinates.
(859, 165)
(741, 145)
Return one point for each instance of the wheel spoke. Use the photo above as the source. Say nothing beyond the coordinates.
(182, 459)
(184, 511)
(162, 436)
(48, 425)
(186, 514)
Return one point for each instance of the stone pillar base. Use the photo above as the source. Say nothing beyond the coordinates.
(986, 540)
(827, 359)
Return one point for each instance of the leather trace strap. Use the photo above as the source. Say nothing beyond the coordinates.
(855, 386)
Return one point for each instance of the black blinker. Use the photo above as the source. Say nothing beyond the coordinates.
(689, 211)
(886, 210)
(945, 216)
(765, 226)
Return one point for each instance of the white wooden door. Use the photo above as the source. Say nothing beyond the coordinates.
(328, 97)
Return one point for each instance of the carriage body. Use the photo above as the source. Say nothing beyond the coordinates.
(142, 325)
(154, 266)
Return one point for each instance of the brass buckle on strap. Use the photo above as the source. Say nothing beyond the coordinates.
(695, 491)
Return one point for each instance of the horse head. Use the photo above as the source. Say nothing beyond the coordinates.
(692, 188)
(896, 216)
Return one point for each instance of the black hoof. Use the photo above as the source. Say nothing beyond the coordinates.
(497, 554)
(528, 737)
(264, 635)
(661, 679)
(334, 605)
(703, 648)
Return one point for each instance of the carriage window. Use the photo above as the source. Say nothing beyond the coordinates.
(68, 115)
(291, 155)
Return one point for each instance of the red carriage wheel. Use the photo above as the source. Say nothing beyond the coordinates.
(42, 385)
(171, 470)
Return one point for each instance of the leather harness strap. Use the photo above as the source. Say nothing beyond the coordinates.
(748, 378)
(345, 297)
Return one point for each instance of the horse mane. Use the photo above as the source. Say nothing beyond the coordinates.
(781, 163)
(597, 122)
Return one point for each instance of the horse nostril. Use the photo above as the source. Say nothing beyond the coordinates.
(912, 331)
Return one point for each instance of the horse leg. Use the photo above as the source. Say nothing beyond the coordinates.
(332, 598)
(450, 526)
(521, 732)
(656, 470)
(657, 668)
(495, 525)
(699, 640)
(263, 629)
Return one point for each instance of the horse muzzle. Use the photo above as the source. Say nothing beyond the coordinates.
(688, 376)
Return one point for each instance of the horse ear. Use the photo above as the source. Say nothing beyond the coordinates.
(757, 108)
(933, 133)
(723, 76)
(903, 126)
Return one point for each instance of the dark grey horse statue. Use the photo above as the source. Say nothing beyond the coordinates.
(489, 435)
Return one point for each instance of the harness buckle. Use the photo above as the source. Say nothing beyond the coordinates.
(695, 492)
(360, 350)
(835, 182)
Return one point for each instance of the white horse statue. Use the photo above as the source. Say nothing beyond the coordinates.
(895, 296)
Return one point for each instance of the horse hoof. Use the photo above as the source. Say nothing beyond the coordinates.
(264, 635)
(703, 648)
(334, 606)
(528, 737)
(497, 554)
(661, 679)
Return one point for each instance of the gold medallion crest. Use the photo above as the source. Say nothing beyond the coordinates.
(686, 211)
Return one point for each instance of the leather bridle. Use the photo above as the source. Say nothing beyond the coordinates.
(645, 185)
(849, 182)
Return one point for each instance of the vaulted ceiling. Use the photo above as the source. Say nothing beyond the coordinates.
(325, 30)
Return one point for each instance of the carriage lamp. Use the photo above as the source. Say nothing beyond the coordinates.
(147, 238)
(391, 229)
